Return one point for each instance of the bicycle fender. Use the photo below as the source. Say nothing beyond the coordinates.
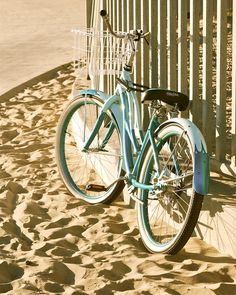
(201, 158)
(102, 95)
(115, 108)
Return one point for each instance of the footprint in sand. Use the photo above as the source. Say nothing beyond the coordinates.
(62, 252)
(9, 197)
(59, 273)
(116, 271)
(67, 244)
(4, 175)
(153, 269)
(125, 286)
(9, 272)
(75, 230)
(61, 222)
(53, 288)
(94, 210)
(16, 188)
(9, 135)
(34, 209)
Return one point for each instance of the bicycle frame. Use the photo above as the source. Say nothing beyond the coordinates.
(124, 105)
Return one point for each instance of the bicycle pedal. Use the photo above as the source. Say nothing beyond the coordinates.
(95, 187)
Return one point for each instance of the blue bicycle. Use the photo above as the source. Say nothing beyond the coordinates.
(101, 147)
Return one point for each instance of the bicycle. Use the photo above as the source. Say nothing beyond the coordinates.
(101, 147)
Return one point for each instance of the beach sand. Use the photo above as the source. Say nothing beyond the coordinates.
(52, 243)
(36, 37)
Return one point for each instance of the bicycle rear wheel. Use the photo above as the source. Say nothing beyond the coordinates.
(89, 174)
(168, 215)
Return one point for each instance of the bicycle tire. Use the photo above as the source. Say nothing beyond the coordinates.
(167, 217)
(87, 174)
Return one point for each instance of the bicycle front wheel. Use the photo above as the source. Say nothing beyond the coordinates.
(91, 174)
(168, 215)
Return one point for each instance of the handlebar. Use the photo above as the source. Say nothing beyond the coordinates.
(135, 34)
(104, 15)
(132, 36)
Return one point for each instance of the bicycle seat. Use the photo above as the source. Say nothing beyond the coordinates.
(168, 96)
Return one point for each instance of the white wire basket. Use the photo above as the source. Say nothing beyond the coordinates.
(99, 53)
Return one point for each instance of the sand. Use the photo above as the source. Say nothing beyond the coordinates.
(36, 37)
(52, 243)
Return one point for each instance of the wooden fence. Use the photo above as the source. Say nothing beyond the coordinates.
(193, 50)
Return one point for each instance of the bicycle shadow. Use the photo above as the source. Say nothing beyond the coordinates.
(216, 223)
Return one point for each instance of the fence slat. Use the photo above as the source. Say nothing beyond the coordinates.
(144, 58)
(194, 62)
(182, 46)
(89, 14)
(233, 128)
(221, 80)
(109, 77)
(123, 15)
(96, 81)
(144, 46)
(118, 16)
(153, 41)
(137, 24)
(162, 56)
(171, 44)
(207, 105)
(130, 13)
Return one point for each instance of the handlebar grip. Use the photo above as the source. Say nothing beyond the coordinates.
(103, 13)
